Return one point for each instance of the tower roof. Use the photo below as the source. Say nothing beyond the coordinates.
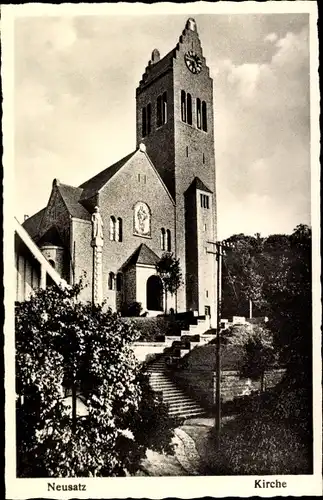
(158, 66)
(198, 184)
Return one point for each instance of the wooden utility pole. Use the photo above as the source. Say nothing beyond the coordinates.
(219, 255)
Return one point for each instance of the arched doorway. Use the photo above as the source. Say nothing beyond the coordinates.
(154, 292)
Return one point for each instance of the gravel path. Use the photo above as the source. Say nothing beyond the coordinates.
(185, 462)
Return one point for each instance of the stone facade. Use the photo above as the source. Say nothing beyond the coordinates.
(161, 196)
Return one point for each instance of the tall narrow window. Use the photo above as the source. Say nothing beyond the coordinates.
(144, 122)
(204, 201)
(119, 229)
(187, 151)
(168, 241)
(111, 281)
(189, 109)
(162, 238)
(183, 105)
(204, 116)
(164, 107)
(148, 118)
(198, 113)
(119, 282)
(113, 224)
(159, 111)
(203, 158)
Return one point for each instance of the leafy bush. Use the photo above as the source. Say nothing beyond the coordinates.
(156, 328)
(63, 343)
(134, 309)
(258, 349)
(269, 436)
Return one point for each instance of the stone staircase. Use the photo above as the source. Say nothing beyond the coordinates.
(180, 405)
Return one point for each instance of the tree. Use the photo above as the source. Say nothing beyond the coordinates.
(168, 268)
(62, 343)
(289, 295)
(243, 276)
(258, 350)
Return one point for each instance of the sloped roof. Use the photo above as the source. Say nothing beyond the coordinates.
(31, 225)
(93, 185)
(22, 235)
(71, 196)
(142, 255)
(51, 236)
(198, 184)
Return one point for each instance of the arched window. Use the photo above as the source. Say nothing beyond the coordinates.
(119, 229)
(159, 111)
(183, 105)
(164, 107)
(113, 224)
(168, 241)
(162, 238)
(189, 108)
(198, 113)
(144, 122)
(111, 281)
(119, 282)
(204, 116)
(52, 262)
(148, 118)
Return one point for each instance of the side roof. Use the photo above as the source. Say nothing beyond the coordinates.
(22, 234)
(74, 197)
(93, 185)
(71, 196)
(32, 224)
(142, 255)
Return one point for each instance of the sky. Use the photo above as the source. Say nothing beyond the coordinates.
(74, 107)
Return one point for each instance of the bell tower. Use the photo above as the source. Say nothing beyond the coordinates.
(175, 122)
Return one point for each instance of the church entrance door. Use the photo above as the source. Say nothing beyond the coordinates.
(154, 294)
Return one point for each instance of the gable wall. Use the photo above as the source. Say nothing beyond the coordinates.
(57, 214)
(118, 198)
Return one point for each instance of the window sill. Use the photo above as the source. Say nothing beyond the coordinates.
(148, 237)
(193, 127)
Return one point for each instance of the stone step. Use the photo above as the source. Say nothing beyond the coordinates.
(186, 414)
(164, 383)
(184, 405)
(163, 388)
(175, 397)
(170, 394)
(179, 404)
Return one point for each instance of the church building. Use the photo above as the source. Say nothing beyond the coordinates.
(159, 198)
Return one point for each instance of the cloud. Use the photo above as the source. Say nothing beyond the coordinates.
(75, 82)
(262, 130)
(271, 37)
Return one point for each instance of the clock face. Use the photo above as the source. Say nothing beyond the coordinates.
(193, 62)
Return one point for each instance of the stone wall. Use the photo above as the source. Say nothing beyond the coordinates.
(201, 384)
(146, 351)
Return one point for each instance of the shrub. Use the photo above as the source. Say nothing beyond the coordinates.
(63, 343)
(153, 329)
(268, 436)
(134, 309)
